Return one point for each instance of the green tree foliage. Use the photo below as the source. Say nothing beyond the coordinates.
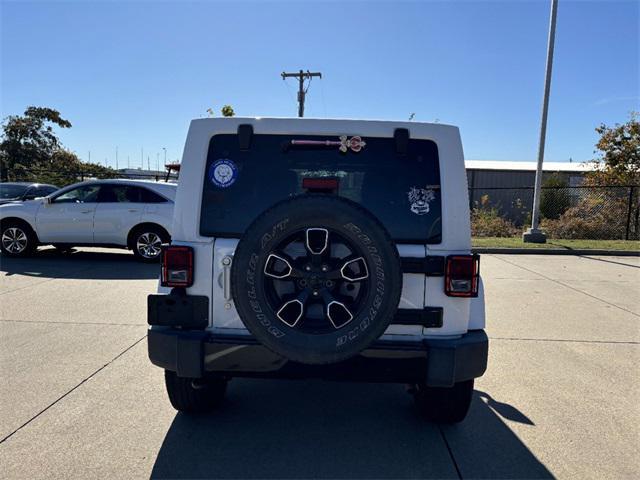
(227, 111)
(618, 162)
(31, 151)
(555, 197)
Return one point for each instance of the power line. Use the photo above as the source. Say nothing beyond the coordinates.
(302, 92)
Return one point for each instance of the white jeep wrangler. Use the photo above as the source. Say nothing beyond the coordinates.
(335, 249)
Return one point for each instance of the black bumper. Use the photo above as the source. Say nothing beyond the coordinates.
(440, 363)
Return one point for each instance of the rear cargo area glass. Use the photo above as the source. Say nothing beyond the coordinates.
(402, 191)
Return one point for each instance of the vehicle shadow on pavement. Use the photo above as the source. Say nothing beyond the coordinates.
(315, 429)
(80, 264)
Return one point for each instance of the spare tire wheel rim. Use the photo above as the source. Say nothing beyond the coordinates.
(321, 290)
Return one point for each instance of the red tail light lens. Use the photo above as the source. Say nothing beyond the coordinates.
(177, 266)
(461, 275)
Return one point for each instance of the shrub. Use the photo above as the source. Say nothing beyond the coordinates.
(595, 217)
(487, 222)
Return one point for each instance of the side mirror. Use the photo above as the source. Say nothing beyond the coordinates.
(46, 201)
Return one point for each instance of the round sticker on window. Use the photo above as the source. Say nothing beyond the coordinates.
(223, 173)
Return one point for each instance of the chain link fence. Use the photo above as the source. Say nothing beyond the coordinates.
(581, 212)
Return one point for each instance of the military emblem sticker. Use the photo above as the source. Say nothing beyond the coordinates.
(223, 173)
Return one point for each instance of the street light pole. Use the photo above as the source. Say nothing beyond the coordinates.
(534, 234)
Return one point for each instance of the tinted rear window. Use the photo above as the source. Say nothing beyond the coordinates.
(402, 191)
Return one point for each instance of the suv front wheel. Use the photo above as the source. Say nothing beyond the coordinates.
(17, 240)
(191, 395)
(444, 405)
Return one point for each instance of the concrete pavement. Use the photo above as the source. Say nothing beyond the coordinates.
(80, 399)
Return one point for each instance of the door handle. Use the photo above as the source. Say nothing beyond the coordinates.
(226, 278)
(133, 210)
(86, 211)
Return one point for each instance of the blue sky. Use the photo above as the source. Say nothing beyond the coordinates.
(132, 74)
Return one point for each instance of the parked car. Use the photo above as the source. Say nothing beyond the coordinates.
(20, 191)
(335, 249)
(133, 214)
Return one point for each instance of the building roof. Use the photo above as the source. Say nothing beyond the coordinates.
(528, 166)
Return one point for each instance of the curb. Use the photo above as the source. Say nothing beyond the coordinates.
(557, 251)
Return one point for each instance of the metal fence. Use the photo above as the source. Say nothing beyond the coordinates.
(581, 212)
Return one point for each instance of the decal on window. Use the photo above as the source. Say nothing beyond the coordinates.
(223, 173)
(419, 199)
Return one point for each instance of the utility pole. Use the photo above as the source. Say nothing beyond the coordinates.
(534, 234)
(301, 76)
(116, 157)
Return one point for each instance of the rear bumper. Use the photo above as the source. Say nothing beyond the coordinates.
(439, 363)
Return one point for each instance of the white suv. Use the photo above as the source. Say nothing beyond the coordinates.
(336, 249)
(114, 213)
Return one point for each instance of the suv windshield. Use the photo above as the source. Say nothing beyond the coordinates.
(402, 191)
(12, 191)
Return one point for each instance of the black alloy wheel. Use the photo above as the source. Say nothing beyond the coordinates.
(315, 280)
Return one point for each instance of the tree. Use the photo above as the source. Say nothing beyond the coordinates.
(29, 139)
(227, 111)
(31, 151)
(611, 207)
(619, 153)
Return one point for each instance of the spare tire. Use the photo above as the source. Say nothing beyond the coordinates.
(316, 279)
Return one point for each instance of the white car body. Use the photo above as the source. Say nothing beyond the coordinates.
(211, 275)
(94, 222)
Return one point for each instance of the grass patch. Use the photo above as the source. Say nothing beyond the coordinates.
(516, 242)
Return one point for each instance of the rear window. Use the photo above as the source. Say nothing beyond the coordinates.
(402, 191)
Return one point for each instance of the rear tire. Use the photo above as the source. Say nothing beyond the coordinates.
(190, 395)
(444, 405)
(17, 239)
(146, 242)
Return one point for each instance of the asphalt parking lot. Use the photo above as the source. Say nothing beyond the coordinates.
(79, 398)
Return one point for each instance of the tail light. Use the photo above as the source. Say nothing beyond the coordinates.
(461, 275)
(177, 266)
